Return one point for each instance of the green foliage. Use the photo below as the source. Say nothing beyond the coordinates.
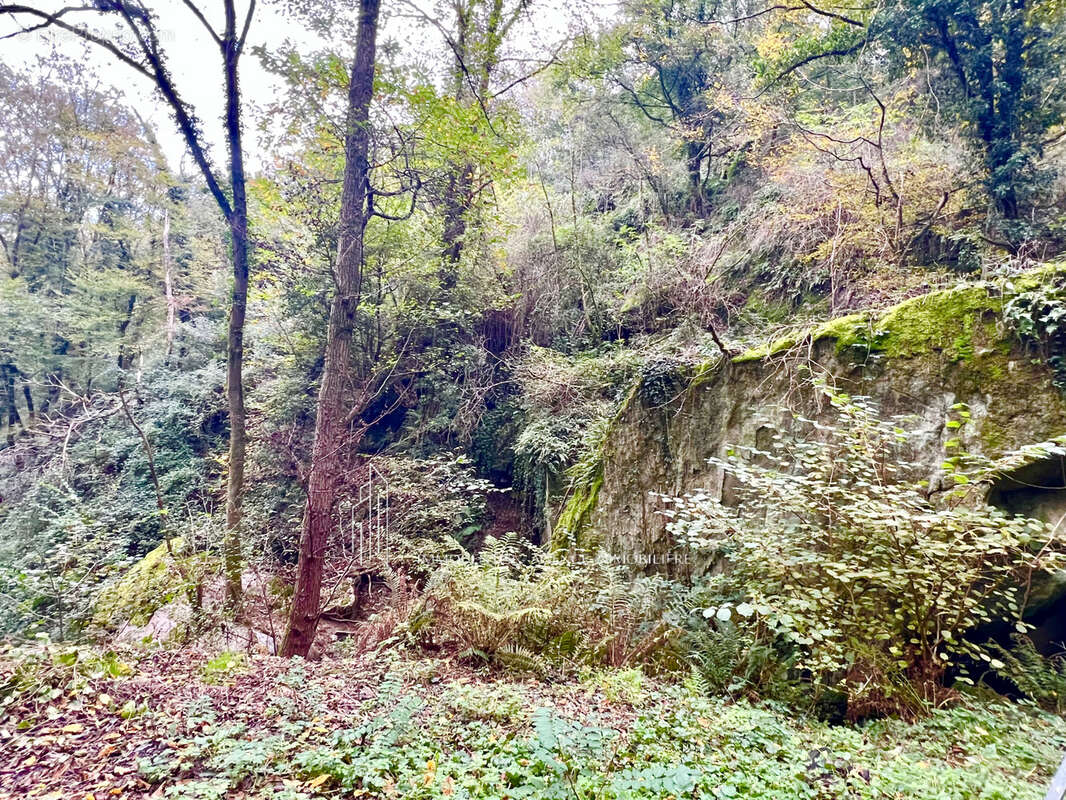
(835, 552)
(661, 381)
(45, 673)
(1041, 678)
(618, 735)
(998, 68)
(837, 39)
(495, 703)
(669, 743)
(224, 666)
(435, 498)
(568, 404)
(523, 608)
(620, 685)
(91, 511)
(656, 178)
(731, 659)
(81, 207)
(1038, 317)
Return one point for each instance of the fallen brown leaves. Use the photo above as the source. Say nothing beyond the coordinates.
(87, 742)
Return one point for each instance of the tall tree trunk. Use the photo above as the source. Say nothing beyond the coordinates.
(694, 163)
(27, 395)
(457, 201)
(11, 411)
(231, 544)
(125, 358)
(330, 424)
(168, 285)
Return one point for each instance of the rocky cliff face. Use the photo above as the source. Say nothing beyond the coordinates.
(918, 358)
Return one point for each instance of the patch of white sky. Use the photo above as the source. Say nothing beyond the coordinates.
(195, 61)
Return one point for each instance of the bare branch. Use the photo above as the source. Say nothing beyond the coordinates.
(203, 20)
(54, 20)
(247, 25)
(553, 59)
(832, 15)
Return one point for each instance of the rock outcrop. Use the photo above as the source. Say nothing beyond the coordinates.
(918, 358)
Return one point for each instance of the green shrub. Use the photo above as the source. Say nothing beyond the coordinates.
(91, 513)
(871, 579)
(733, 660)
(435, 498)
(1038, 317)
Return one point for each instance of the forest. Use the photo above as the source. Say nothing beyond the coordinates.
(528, 399)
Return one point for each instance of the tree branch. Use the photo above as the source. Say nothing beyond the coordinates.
(832, 15)
(247, 26)
(53, 20)
(838, 52)
(154, 68)
(203, 20)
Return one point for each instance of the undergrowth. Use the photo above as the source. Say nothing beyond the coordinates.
(424, 733)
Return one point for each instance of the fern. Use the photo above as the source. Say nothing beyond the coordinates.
(731, 661)
(716, 656)
(519, 659)
(696, 682)
(1041, 678)
(514, 598)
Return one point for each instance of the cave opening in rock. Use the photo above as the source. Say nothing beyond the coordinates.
(1038, 489)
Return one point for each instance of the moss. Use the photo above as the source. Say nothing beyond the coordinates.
(993, 437)
(945, 321)
(703, 372)
(847, 330)
(853, 330)
(1039, 277)
(948, 321)
(952, 338)
(772, 348)
(151, 583)
(577, 513)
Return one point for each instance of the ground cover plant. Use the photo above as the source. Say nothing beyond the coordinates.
(431, 728)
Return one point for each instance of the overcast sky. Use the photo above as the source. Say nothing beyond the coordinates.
(195, 60)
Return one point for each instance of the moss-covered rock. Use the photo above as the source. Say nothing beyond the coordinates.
(918, 358)
(151, 583)
(945, 321)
